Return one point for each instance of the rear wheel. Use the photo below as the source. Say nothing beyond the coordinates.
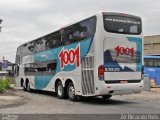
(71, 92)
(60, 90)
(106, 96)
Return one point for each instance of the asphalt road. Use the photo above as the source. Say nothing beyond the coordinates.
(47, 103)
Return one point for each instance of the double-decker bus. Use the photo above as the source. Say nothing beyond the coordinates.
(98, 56)
(152, 67)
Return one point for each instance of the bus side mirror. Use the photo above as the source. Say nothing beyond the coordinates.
(16, 70)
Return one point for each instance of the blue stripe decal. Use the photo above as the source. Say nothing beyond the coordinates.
(112, 65)
(138, 42)
(42, 81)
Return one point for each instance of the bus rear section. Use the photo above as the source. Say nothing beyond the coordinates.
(122, 55)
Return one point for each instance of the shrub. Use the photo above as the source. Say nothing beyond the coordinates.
(4, 84)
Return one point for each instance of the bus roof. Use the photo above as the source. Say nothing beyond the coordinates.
(152, 57)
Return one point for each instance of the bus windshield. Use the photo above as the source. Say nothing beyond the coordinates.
(122, 24)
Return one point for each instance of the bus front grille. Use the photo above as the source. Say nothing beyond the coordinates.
(87, 74)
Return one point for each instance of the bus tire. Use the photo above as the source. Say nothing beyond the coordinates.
(24, 86)
(60, 90)
(28, 87)
(71, 92)
(106, 96)
(22, 81)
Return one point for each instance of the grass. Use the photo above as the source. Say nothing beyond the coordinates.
(4, 84)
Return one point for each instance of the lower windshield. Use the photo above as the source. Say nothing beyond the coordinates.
(122, 24)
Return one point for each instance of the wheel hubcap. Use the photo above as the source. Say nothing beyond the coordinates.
(24, 86)
(28, 87)
(60, 90)
(71, 92)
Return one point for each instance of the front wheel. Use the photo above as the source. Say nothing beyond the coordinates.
(28, 87)
(71, 92)
(106, 96)
(24, 87)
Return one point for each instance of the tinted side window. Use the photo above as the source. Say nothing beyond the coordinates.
(44, 43)
(41, 68)
(148, 62)
(36, 46)
(53, 40)
(79, 31)
(68, 35)
(156, 62)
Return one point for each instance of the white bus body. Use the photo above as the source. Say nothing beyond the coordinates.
(100, 60)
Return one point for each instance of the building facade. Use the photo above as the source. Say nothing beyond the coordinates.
(152, 45)
(8, 67)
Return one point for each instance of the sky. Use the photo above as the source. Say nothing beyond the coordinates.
(26, 20)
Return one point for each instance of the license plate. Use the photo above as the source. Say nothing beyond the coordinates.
(123, 81)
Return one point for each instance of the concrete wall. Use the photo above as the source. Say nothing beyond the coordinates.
(152, 45)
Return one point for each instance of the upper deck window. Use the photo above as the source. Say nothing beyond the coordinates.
(122, 24)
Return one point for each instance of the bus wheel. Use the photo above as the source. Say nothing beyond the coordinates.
(71, 92)
(28, 87)
(60, 90)
(106, 96)
(24, 86)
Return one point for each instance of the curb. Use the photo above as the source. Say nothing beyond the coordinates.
(157, 90)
